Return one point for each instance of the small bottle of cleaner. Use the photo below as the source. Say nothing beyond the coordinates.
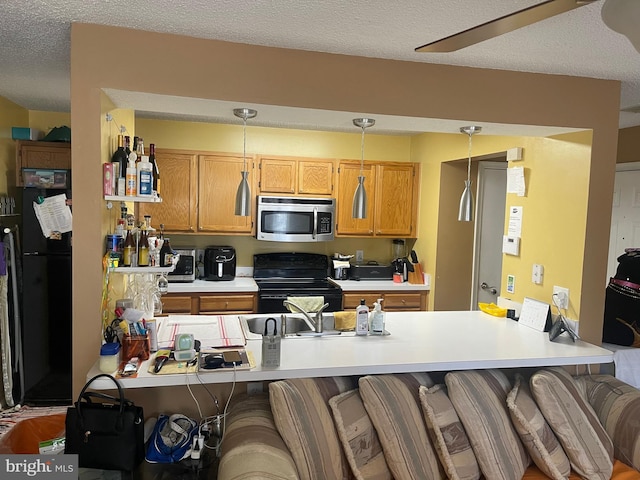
(377, 319)
(362, 318)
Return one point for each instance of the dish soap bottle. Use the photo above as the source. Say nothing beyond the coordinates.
(362, 318)
(377, 319)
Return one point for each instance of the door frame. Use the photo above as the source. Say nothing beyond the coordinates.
(491, 162)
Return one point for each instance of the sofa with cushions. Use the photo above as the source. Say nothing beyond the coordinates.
(464, 425)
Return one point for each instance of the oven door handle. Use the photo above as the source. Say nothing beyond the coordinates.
(273, 297)
(314, 234)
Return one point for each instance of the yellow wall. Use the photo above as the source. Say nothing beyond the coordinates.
(45, 121)
(226, 71)
(11, 115)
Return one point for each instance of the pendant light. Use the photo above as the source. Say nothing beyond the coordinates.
(359, 209)
(465, 214)
(243, 195)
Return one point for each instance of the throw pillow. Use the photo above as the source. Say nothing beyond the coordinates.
(301, 414)
(393, 405)
(617, 405)
(535, 432)
(479, 397)
(359, 439)
(448, 435)
(574, 422)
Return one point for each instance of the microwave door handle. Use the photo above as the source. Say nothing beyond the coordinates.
(315, 222)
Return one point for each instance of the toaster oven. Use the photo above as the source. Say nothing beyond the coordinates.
(185, 270)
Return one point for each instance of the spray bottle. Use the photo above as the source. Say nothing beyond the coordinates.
(377, 319)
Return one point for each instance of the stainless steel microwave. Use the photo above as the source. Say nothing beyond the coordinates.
(295, 219)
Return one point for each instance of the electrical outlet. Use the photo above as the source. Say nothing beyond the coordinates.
(359, 256)
(561, 297)
(537, 274)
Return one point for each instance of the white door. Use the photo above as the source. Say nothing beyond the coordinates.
(490, 208)
(625, 214)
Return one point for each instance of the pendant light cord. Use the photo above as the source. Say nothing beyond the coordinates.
(469, 162)
(244, 143)
(362, 152)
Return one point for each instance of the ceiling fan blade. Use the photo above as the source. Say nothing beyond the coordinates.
(505, 24)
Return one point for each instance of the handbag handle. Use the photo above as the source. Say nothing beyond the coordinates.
(121, 399)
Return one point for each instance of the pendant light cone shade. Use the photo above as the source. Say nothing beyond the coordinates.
(243, 195)
(465, 213)
(359, 208)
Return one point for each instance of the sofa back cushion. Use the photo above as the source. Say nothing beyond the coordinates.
(480, 399)
(617, 405)
(358, 437)
(252, 446)
(448, 435)
(301, 413)
(535, 432)
(393, 405)
(574, 422)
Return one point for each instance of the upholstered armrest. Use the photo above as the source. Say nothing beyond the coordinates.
(617, 405)
(252, 448)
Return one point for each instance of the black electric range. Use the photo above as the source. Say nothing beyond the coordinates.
(283, 275)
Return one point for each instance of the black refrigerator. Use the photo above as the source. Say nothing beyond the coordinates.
(46, 308)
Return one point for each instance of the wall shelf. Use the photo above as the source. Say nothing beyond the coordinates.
(143, 269)
(127, 198)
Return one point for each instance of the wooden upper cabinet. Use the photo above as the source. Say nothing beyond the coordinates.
(293, 176)
(396, 203)
(179, 192)
(45, 155)
(348, 173)
(218, 179)
(392, 199)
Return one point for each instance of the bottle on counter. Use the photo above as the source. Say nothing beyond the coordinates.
(362, 318)
(376, 326)
(120, 157)
(128, 249)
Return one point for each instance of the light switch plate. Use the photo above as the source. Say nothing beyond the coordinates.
(537, 274)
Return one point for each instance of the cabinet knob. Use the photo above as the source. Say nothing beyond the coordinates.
(404, 301)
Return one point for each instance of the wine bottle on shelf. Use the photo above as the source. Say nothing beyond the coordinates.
(140, 149)
(128, 248)
(120, 157)
(143, 247)
(127, 145)
(156, 171)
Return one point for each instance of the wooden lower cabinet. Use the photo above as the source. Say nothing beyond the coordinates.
(209, 303)
(408, 301)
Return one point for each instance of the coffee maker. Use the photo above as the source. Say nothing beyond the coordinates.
(219, 263)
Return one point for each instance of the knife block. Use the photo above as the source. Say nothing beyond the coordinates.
(416, 276)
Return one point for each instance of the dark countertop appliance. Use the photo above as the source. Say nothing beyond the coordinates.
(219, 263)
(283, 275)
(185, 270)
(370, 270)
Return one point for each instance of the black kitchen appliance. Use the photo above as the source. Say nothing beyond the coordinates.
(370, 270)
(283, 275)
(46, 309)
(219, 263)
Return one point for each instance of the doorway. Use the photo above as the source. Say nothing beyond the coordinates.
(489, 229)
(625, 214)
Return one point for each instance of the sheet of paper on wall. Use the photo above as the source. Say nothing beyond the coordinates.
(515, 181)
(54, 215)
(515, 222)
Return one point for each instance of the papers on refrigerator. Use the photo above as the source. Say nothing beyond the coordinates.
(53, 214)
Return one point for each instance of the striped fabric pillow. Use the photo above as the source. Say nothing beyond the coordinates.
(301, 413)
(252, 446)
(618, 408)
(359, 439)
(393, 405)
(574, 422)
(535, 432)
(480, 397)
(448, 435)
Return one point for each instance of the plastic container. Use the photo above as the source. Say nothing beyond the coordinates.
(145, 177)
(109, 357)
(377, 319)
(362, 318)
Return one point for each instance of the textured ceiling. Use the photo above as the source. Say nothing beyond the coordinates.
(34, 38)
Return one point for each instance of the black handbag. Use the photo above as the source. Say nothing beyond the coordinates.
(108, 434)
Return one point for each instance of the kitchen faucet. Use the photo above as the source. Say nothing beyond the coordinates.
(313, 324)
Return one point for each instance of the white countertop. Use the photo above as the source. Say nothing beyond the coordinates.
(418, 342)
(377, 285)
(237, 285)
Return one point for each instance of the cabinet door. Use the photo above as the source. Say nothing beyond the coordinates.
(218, 180)
(178, 189)
(351, 300)
(277, 175)
(227, 303)
(396, 200)
(402, 301)
(176, 304)
(315, 177)
(348, 173)
(45, 155)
